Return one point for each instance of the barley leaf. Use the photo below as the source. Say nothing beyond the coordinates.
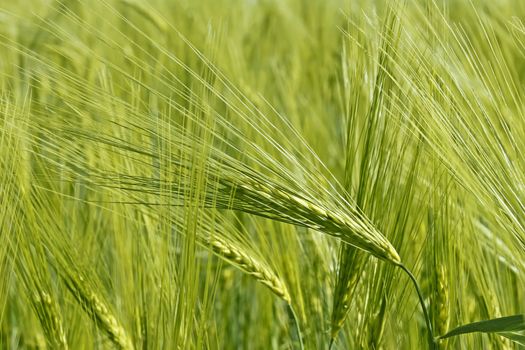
(496, 325)
(515, 337)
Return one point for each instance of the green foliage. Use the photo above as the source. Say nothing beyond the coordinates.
(262, 174)
(508, 326)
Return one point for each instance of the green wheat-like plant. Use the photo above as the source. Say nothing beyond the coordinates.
(262, 174)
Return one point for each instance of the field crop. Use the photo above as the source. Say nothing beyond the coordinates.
(262, 174)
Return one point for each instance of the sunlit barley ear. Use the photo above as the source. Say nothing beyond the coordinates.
(249, 265)
(350, 226)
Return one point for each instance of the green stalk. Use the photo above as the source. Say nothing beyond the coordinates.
(297, 326)
(431, 340)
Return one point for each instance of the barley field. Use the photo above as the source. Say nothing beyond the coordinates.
(262, 174)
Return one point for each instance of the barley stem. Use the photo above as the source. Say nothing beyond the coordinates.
(297, 326)
(431, 340)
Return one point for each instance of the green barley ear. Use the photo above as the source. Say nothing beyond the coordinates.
(42, 301)
(51, 320)
(229, 186)
(256, 269)
(99, 311)
(249, 264)
(351, 226)
(439, 229)
(442, 300)
(64, 261)
(81, 287)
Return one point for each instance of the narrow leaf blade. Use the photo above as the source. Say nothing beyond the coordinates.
(515, 337)
(496, 325)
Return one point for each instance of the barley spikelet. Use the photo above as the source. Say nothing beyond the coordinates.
(50, 319)
(442, 301)
(236, 254)
(280, 204)
(249, 265)
(98, 310)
